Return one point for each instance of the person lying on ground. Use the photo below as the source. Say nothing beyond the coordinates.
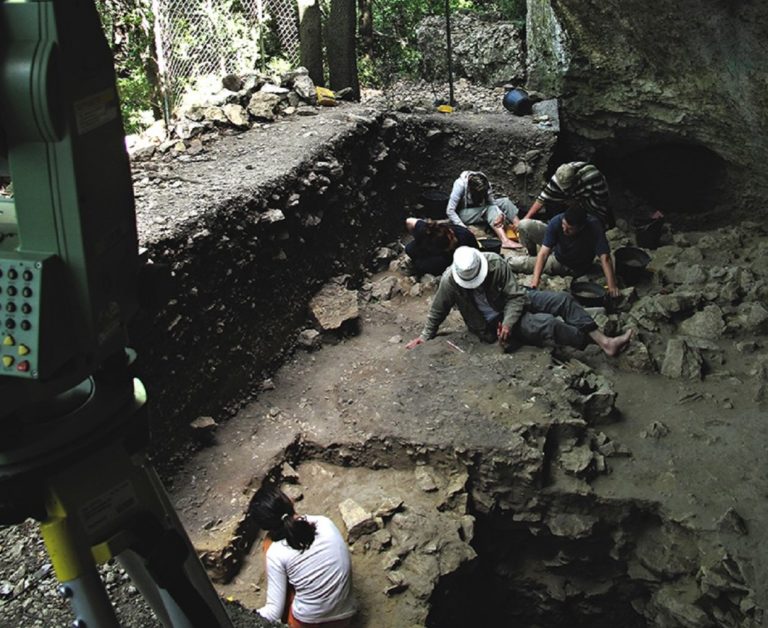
(575, 238)
(309, 573)
(579, 183)
(433, 244)
(495, 307)
(472, 203)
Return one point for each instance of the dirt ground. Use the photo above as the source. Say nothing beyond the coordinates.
(455, 392)
(362, 418)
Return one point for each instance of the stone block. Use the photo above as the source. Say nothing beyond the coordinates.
(357, 520)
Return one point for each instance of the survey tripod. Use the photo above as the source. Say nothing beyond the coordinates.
(73, 418)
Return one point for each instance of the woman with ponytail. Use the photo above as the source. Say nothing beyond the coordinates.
(309, 575)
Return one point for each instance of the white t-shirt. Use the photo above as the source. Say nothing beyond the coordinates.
(321, 575)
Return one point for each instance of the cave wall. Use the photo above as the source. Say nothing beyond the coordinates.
(635, 73)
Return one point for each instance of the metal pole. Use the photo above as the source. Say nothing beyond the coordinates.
(450, 51)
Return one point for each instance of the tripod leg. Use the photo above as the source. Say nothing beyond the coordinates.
(76, 571)
(159, 600)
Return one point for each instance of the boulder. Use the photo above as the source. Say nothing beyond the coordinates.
(485, 51)
(357, 520)
(682, 361)
(334, 305)
(236, 114)
(708, 323)
(263, 105)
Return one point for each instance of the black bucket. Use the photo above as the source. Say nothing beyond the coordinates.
(631, 264)
(589, 294)
(490, 245)
(434, 202)
(517, 101)
(647, 232)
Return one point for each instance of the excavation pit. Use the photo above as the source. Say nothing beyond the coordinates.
(550, 440)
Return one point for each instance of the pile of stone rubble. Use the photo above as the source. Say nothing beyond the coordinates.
(232, 104)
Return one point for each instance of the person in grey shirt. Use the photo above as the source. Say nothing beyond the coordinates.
(472, 203)
(495, 307)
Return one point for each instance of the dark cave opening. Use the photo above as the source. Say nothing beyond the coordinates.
(672, 177)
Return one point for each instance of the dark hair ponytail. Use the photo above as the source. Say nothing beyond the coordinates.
(273, 511)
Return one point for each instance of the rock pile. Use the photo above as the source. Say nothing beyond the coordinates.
(235, 103)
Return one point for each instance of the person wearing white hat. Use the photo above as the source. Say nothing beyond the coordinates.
(495, 307)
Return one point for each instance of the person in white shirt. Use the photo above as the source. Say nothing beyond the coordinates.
(309, 571)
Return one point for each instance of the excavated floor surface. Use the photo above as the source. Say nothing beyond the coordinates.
(369, 389)
(362, 418)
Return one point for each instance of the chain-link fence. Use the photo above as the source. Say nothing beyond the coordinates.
(197, 38)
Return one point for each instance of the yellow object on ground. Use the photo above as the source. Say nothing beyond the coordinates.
(325, 97)
(445, 109)
(512, 233)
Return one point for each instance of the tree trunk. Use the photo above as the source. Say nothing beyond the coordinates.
(311, 40)
(365, 26)
(342, 61)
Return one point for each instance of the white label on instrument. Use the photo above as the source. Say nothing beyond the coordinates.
(95, 111)
(108, 507)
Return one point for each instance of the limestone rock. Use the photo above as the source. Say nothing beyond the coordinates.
(397, 583)
(731, 521)
(681, 361)
(357, 520)
(577, 461)
(751, 318)
(381, 540)
(334, 305)
(263, 105)
(425, 478)
(289, 474)
(488, 52)
(271, 216)
(384, 289)
(388, 507)
(708, 323)
(572, 526)
(236, 114)
(310, 339)
(656, 429)
(601, 69)
(305, 89)
(215, 114)
(204, 423)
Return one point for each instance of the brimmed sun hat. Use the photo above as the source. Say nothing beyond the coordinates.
(469, 268)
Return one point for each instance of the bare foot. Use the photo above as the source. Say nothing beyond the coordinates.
(511, 244)
(614, 346)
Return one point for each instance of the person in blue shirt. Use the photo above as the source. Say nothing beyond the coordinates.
(575, 238)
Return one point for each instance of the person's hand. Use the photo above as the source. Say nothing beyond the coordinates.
(614, 292)
(502, 332)
(415, 342)
(534, 285)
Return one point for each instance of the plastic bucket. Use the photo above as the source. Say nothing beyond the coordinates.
(490, 245)
(516, 101)
(434, 202)
(631, 263)
(647, 232)
(589, 294)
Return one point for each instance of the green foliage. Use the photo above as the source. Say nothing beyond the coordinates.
(135, 96)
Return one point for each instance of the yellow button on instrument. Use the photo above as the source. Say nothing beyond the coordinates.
(8, 341)
(23, 349)
(7, 360)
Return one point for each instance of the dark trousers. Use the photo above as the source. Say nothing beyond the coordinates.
(426, 261)
(541, 323)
